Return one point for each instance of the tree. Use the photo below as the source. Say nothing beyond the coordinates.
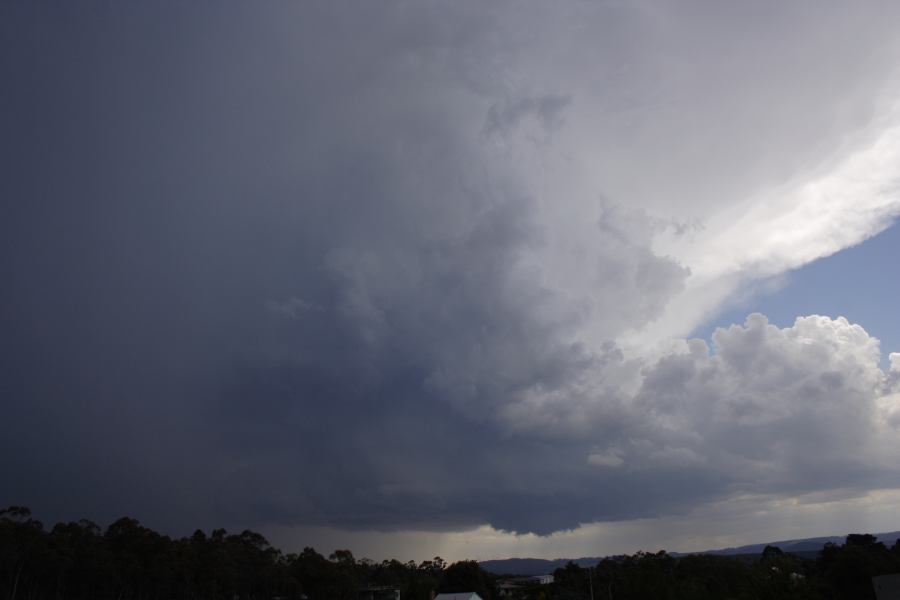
(21, 541)
(468, 576)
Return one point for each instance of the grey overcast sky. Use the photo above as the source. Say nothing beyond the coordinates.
(422, 278)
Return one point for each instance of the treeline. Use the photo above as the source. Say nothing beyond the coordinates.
(127, 561)
(838, 572)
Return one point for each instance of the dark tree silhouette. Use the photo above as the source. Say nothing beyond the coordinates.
(128, 561)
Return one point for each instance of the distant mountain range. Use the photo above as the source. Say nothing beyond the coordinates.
(539, 566)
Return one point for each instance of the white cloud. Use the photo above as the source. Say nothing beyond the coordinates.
(781, 403)
(812, 216)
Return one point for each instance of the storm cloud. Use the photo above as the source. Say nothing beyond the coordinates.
(433, 266)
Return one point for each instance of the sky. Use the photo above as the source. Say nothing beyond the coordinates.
(829, 286)
(453, 278)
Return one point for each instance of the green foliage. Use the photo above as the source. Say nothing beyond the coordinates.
(847, 570)
(468, 576)
(841, 573)
(79, 561)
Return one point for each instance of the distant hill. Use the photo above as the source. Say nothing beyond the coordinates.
(533, 566)
(805, 547)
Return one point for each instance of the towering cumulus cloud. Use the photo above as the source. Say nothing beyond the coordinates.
(433, 266)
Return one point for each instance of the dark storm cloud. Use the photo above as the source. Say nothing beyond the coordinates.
(279, 266)
(175, 173)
